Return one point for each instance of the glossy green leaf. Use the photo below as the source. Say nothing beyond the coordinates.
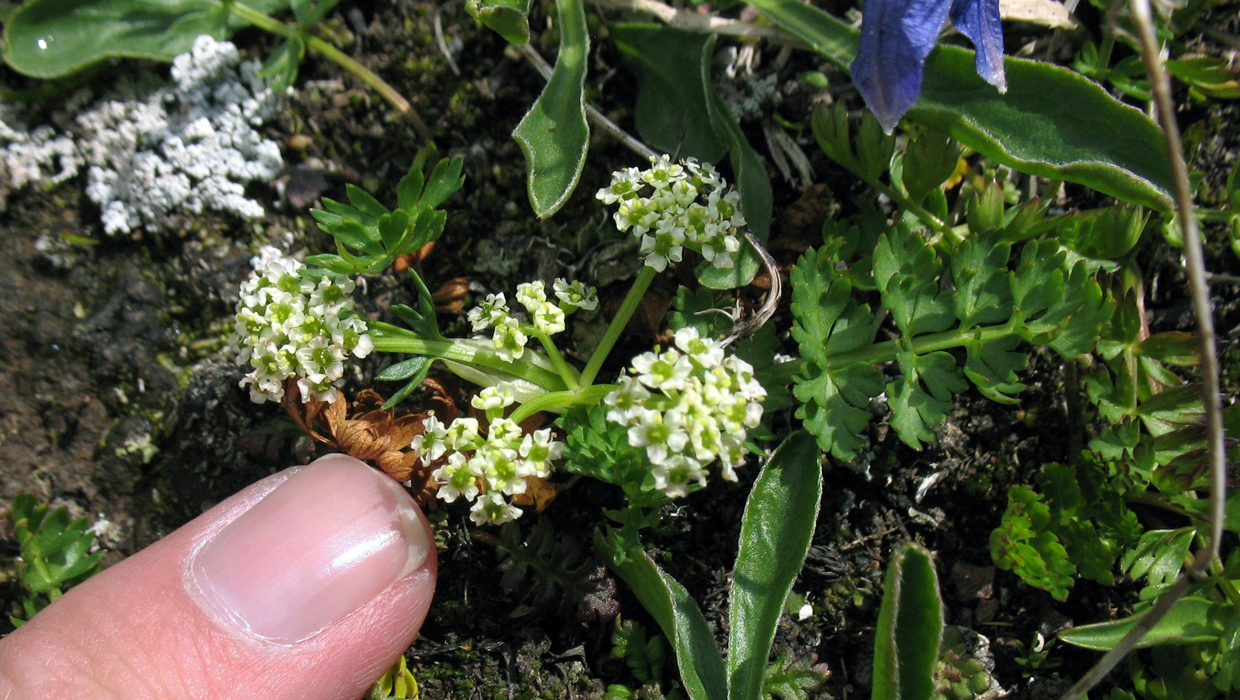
(53, 38)
(554, 135)
(1052, 122)
(671, 113)
(509, 18)
(1189, 620)
(404, 370)
(678, 615)
(751, 181)
(775, 534)
(910, 624)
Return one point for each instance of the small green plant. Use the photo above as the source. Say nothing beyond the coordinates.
(397, 683)
(56, 553)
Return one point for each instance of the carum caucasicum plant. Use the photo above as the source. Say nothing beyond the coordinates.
(962, 267)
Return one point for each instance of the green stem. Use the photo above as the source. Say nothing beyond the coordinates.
(1221, 216)
(331, 53)
(389, 338)
(621, 319)
(560, 400)
(566, 370)
(886, 351)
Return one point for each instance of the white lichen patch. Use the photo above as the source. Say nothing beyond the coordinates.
(154, 148)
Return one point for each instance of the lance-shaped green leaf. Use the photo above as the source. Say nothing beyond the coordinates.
(554, 134)
(910, 626)
(775, 534)
(1189, 620)
(678, 615)
(53, 38)
(671, 113)
(509, 18)
(1052, 122)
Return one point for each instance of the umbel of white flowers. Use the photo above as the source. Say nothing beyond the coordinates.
(290, 325)
(486, 470)
(688, 406)
(546, 316)
(673, 206)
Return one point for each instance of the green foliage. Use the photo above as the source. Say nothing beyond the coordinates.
(958, 674)
(55, 553)
(1044, 300)
(1023, 543)
(789, 677)
(644, 654)
(775, 532)
(509, 18)
(827, 322)
(369, 236)
(910, 626)
(671, 113)
(55, 38)
(775, 535)
(554, 134)
(397, 683)
(1191, 619)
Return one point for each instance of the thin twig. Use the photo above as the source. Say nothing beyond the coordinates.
(703, 24)
(1200, 290)
(758, 320)
(443, 46)
(596, 117)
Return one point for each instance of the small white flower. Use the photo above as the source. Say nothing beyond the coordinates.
(494, 399)
(575, 295)
(455, 479)
(508, 340)
(492, 311)
(433, 442)
(491, 508)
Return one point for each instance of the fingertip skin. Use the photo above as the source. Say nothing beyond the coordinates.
(137, 631)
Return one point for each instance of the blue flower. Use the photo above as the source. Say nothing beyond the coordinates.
(898, 35)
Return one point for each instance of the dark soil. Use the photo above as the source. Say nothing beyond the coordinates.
(119, 399)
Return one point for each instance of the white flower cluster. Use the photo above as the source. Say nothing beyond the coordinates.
(291, 326)
(486, 470)
(676, 205)
(688, 406)
(546, 316)
(154, 149)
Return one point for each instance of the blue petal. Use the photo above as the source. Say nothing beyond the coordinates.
(979, 20)
(896, 38)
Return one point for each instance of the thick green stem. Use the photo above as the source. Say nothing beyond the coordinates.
(570, 376)
(634, 297)
(341, 59)
(389, 338)
(560, 400)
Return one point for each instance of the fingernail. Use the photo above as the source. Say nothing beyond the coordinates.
(319, 546)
